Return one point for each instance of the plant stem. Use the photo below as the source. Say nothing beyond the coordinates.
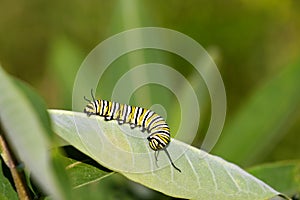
(18, 176)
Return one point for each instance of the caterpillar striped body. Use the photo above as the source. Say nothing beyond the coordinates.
(148, 120)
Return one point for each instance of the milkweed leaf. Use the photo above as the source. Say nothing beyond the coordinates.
(203, 176)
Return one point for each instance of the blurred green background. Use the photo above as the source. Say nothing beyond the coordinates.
(255, 44)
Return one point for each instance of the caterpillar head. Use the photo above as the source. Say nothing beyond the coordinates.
(155, 144)
(91, 108)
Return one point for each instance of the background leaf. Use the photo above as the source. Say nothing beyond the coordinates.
(263, 120)
(64, 60)
(284, 176)
(203, 176)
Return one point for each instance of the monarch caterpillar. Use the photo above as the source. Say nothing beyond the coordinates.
(148, 120)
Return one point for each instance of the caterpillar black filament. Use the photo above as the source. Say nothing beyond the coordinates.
(148, 120)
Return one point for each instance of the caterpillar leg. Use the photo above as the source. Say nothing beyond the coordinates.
(120, 122)
(107, 118)
(156, 155)
(132, 125)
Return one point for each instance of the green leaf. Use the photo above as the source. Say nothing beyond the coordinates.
(36, 102)
(114, 186)
(203, 176)
(262, 120)
(91, 181)
(25, 130)
(6, 190)
(284, 176)
(82, 173)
